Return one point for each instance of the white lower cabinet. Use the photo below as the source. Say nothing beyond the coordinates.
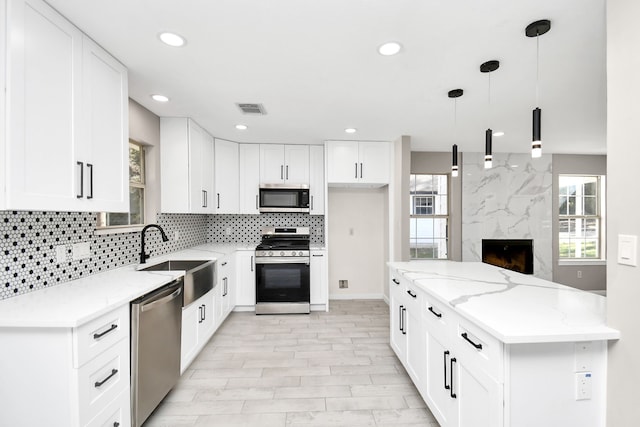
(245, 280)
(79, 375)
(318, 278)
(225, 288)
(198, 324)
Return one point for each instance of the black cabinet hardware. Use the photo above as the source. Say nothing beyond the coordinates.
(438, 315)
(204, 198)
(466, 337)
(224, 263)
(400, 314)
(360, 170)
(444, 357)
(287, 174)
(116, 424)
(90, 166)
(395, 281)
(281, 171)
(452, 394)
(404, 319)
(356, 164)
(412, 294)
(101, 334)
(200, 319)
(256, 201)
(100, 383)
(204, 312)
(81, 195)
(218, 195)
(251, 262)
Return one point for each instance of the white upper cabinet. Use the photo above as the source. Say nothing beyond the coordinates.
(316, 180)
(187, 161)
(358, 162)
(66, 143)
(227, 177)
(249, 178)
(284, 164)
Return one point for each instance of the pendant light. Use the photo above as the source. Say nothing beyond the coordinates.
(489, 67)
(536, 29)
(455, 93)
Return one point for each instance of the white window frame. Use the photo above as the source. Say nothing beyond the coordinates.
(432, 215)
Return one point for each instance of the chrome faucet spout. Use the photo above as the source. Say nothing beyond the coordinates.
(144, 256)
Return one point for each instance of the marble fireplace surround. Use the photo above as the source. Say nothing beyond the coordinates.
(512, 200)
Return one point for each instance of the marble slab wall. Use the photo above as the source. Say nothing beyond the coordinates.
(512, 200)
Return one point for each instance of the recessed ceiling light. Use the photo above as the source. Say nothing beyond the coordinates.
(172, 39)
(389, 48)
(498, 133)
(160, 98)
(351, 130)
(241, 127)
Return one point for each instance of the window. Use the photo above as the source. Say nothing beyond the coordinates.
(135, 216)
(429, 207)
(580, 217)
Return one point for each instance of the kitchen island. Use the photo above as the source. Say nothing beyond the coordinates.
(491, 347)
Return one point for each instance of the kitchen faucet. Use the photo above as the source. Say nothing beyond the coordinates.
(143, 256)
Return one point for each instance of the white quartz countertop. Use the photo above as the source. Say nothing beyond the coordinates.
(78, 301)
(513, 307)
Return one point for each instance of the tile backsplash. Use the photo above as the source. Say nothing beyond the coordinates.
(28, 242)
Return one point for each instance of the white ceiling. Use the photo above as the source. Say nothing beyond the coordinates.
(315, 67)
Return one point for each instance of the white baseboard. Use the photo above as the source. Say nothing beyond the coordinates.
(355, 296)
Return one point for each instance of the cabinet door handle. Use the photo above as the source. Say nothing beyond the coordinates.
(287, 175)
(257, 202)
(224, 286)
(100, 383)
(467, 339)
(281, 171)
(224, 263)
(412, 294)
(360, 170)
(251, 262)
(311, 202)
(356, 170)
(404, 319)
(204, 312)
(395, 281)
(317, 255)
(446, 386)
(204, 198)
(101, 334)
(218, 195)
(90, 166)
(81, 195)
(400, 314)
(452, 394)
(438, 315)
(200, 314)
(116, 424)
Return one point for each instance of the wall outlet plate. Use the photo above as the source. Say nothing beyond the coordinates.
(342, 284)
(81, 250)
(628, 250)
(61, 253)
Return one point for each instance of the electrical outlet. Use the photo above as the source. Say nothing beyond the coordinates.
(579, 274)
(176, 235)
(228, 231)
(61, 253)
(342, 284)
(583, 385)
(80, 251)
(583, 358)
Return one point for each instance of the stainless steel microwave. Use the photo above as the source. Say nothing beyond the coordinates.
(284, 198)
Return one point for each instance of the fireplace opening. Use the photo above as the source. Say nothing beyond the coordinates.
(514, 254)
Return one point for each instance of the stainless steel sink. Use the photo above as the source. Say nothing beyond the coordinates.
(199, 276)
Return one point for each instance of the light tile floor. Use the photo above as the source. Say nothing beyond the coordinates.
(321, 369)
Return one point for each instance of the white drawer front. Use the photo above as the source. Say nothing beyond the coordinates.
(102, 379)
(439, 319)
(480, 350)
(116, 414)
(94, 337)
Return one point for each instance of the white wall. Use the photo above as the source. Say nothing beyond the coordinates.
(357, 241)
(623, 175)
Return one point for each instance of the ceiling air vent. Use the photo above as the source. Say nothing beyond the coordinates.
(252, 109)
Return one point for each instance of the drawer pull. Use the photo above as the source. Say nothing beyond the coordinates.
(446, 386)
(438, 315)
(116, 424)
(395, 281)
(100, 383)
(466, 337)
(404, 319)
(412, 294)
(100, 335)
(452, 394)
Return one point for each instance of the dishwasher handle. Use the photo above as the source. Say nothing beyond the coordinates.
(161, 298)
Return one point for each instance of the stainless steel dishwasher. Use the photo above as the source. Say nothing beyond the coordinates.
(156, 324)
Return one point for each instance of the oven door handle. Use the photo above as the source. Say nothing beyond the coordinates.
(281, 260)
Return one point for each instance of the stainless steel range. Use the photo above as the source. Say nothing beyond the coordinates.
(282, 271)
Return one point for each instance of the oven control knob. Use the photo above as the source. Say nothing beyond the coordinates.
(293, 253)
(270, 253)
(281, 253)
(300, 253)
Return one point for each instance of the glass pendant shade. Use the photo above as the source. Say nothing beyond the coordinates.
(454, 161)
(488, 155)
(536, 140)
